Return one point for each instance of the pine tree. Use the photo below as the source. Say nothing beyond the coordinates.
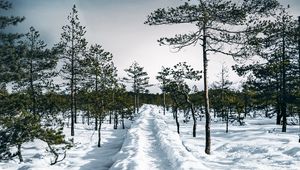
(102, 75)
(122, 105)
(17, 130)
(9, 48)
(163, 78)
(72, 47)
(19, 126)
(36, 68)
(219, 23)
(275, 73)
(223, 85)
(179, 90)
(27, 65)
(298, 89)
(139, 80)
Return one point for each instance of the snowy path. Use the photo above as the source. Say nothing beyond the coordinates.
(150, 144)
(153, 143)
(141, 149)
(152, 153)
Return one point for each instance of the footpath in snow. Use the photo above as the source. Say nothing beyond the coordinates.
(151, 145)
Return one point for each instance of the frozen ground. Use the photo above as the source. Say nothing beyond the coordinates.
(259, 144)
(152, 143)
(85, 155)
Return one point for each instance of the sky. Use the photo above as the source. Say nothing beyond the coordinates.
(118, 25)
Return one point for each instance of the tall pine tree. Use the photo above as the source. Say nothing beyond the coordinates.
(139, 80)
(278, 65)
(72, 47)
(37, 64)
(163, 78)
(179, 90)
(101, 74)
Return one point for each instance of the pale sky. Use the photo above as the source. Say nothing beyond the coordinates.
(118, 26)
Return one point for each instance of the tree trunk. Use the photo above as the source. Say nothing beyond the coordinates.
(19, 153)
(284, 98)
(195, 124)
(239, 119)
(299, 122)
(206, 99)
(33, 98)
(215, 113)
(123, 125)
(164, 102)
(56, 155)
(96, 122)
(116, 121)
(75, 98)
(267, 112)
(110, 117)
(88, 117)
(173, 111)
(75, 106)
(223, 114)
(284, 120)
(72, 107)
(299, 67)
(113, 110)
(176, 114)
(193, 114)
(99, 132)
(97, 99)
(299, 49)
(138, 103)
(227, 119)
(72, 80)
(222, 90)
(135, 104)
(278, 99)
(100, 123)
(278, 119)
(176, 119)
(245, 106)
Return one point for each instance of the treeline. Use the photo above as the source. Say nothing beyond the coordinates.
(41, 87)
(261, 31)
(227, 104)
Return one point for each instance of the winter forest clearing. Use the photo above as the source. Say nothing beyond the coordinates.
(219, 90)
(153, 143)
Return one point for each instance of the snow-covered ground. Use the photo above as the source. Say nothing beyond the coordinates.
(84, 155)
(153, 143)
(259, 144)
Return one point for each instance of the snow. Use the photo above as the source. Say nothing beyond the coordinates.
(153, 143)
(259, 144)
(84, 155)
(141, 149)
(171, 143)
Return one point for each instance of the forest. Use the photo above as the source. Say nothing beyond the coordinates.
(49, 92)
